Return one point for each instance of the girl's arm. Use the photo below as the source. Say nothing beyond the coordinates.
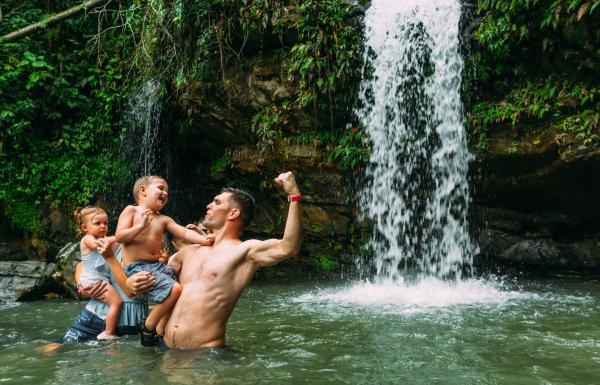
(88, 243)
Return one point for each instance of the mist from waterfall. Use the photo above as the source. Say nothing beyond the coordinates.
(416, 191)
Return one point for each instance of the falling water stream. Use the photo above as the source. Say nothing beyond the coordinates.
(417, 193)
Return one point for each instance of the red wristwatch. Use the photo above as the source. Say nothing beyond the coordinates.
(294, 198)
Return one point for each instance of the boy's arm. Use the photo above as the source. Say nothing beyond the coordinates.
(272, 251)
(189, 234)
(126, 231)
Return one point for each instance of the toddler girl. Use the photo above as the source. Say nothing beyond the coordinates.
(93, 222)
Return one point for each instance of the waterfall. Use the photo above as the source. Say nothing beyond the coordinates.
(144, 145)
(416, 191)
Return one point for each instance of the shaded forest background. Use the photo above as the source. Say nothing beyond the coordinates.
(531, 72)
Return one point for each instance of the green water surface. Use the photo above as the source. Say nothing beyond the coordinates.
(288, 334)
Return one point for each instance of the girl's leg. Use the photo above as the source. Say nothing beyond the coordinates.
(114, 310)
(164, 308)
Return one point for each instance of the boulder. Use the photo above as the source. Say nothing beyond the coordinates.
(68, 257)
(537, 207)
(21, 280)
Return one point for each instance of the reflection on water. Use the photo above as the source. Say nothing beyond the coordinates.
(490, 332)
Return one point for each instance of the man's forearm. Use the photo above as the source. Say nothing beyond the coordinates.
(292, 232)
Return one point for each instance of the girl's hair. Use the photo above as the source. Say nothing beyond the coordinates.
(82, 213)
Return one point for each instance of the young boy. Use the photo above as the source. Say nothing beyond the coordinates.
(140, 231)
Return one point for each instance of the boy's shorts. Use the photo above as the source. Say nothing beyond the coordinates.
(165, 279)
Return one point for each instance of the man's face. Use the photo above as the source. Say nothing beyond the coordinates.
(217, 210)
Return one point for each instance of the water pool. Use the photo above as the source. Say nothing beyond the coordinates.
(525, 331)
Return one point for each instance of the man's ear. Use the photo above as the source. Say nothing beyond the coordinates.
(233, 213)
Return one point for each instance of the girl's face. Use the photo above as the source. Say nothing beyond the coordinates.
(96, 225)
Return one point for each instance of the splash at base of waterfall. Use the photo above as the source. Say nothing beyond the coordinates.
(425, 295)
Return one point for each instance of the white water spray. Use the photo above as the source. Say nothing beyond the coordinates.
(143, 146)
(417, 193)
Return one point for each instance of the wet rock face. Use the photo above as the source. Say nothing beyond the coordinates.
(328, 213)
(539, 208)
(21, 280)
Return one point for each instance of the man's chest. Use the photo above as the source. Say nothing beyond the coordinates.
(209, 266)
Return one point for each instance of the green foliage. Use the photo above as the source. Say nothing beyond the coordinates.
(527, 37)
(323, 262)
(326, 58)
(57, 115)
(536, 64)
(573, 108)
(220, 165)
(267, 124)
(348, 148)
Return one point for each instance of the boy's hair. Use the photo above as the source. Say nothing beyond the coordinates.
(144, 181)
(244, 202)
(82, 213)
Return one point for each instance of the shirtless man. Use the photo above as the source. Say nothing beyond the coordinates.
(214, 277)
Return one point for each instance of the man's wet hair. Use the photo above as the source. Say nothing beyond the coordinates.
(244, 202)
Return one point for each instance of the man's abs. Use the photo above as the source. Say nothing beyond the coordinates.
(198, 319)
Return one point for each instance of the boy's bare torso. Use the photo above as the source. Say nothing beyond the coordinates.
(147, 244)
(213, 279)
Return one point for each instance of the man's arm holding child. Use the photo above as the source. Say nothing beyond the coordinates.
(126, 231)
(94, 290)
(107, 247)
(272, 251)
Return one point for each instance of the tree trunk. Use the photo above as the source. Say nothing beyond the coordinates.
(59, 17)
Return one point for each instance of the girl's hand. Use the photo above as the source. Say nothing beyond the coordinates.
(103, 246)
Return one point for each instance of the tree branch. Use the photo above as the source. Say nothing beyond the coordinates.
(59, 17)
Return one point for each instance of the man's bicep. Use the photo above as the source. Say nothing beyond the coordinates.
(266, 253)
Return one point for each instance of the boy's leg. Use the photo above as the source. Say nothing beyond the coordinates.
(163, 308)
(114, 302)
(160, 328)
